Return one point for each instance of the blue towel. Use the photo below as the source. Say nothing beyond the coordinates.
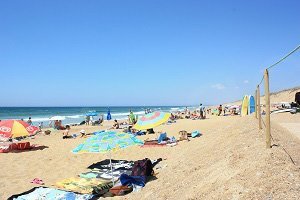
(141, 133)
(162, 137)
(132, 180)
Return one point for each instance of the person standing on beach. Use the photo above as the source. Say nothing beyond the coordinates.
(132, 118)
(50, 123)
(29, 121)
(220, 110)
(87, 120)
(201, 109)
(40, 125)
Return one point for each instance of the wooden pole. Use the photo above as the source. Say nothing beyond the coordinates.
(256, 104)
(267, 99)
(258, 108)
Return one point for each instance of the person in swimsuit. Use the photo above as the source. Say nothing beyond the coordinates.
(66, 132)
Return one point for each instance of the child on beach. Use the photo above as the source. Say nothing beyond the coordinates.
(66, 132)
(116, 125)
(29, 121)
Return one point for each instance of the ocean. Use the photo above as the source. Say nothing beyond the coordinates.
(77, 114)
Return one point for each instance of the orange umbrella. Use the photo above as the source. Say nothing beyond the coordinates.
(16, 128)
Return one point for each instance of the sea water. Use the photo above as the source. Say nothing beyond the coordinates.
(78, 114)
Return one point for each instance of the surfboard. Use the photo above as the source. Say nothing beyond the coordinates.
(245, 106)
(251, 106)
(282, 111)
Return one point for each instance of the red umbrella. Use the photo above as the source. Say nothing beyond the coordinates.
(16, 128)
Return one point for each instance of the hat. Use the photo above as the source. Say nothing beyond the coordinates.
(82, 131)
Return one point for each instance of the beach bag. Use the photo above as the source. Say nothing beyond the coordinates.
(142, 168)
(297, 98)
(120, 190)
(183, 135)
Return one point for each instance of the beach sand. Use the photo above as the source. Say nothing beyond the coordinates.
(229, 161)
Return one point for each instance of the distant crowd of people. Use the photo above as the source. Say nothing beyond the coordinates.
(200, 113)
(89, 120)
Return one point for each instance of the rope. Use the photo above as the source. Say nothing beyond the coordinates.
(261, 80)
(284, 151)
(282, 59)
(263, 122)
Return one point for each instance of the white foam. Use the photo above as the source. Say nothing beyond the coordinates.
(39, 119)
(125, 114)
(74, 116)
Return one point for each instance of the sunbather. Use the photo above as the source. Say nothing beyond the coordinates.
(116, 125)
(66, 132)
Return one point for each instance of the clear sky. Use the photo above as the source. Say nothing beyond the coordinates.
(142, 52)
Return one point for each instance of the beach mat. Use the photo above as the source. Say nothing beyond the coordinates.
(153, 143)
(85, 186)
(44, 193)
(9, 147)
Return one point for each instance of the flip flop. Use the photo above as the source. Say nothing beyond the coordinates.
(37, 181)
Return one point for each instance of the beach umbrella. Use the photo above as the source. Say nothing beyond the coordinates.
(151, 120)
(234, 107)
(54, 118)
(105, 142)
(16, 128)
(91, 114)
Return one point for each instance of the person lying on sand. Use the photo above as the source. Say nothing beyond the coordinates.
(84, 134)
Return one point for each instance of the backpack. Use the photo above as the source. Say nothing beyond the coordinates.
(297, 98)
(142, 168)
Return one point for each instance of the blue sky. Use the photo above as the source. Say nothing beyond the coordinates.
(170, 52)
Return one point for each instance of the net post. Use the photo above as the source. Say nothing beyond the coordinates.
(258, 108)
(267, 99)
(256, 104)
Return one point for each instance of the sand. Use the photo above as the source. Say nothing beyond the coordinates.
(229, 161)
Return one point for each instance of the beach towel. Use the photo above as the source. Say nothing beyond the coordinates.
(132, 180)
(140, 133)
(17, 147)
(116, 164)
(105, 174)
(44, 193)
(120, 190)
(162, 137)
(107, 141)
(153, 143)
(85, 186)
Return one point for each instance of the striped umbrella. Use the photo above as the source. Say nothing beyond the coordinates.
(151, 120)
(107, 141)
(16, 128)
